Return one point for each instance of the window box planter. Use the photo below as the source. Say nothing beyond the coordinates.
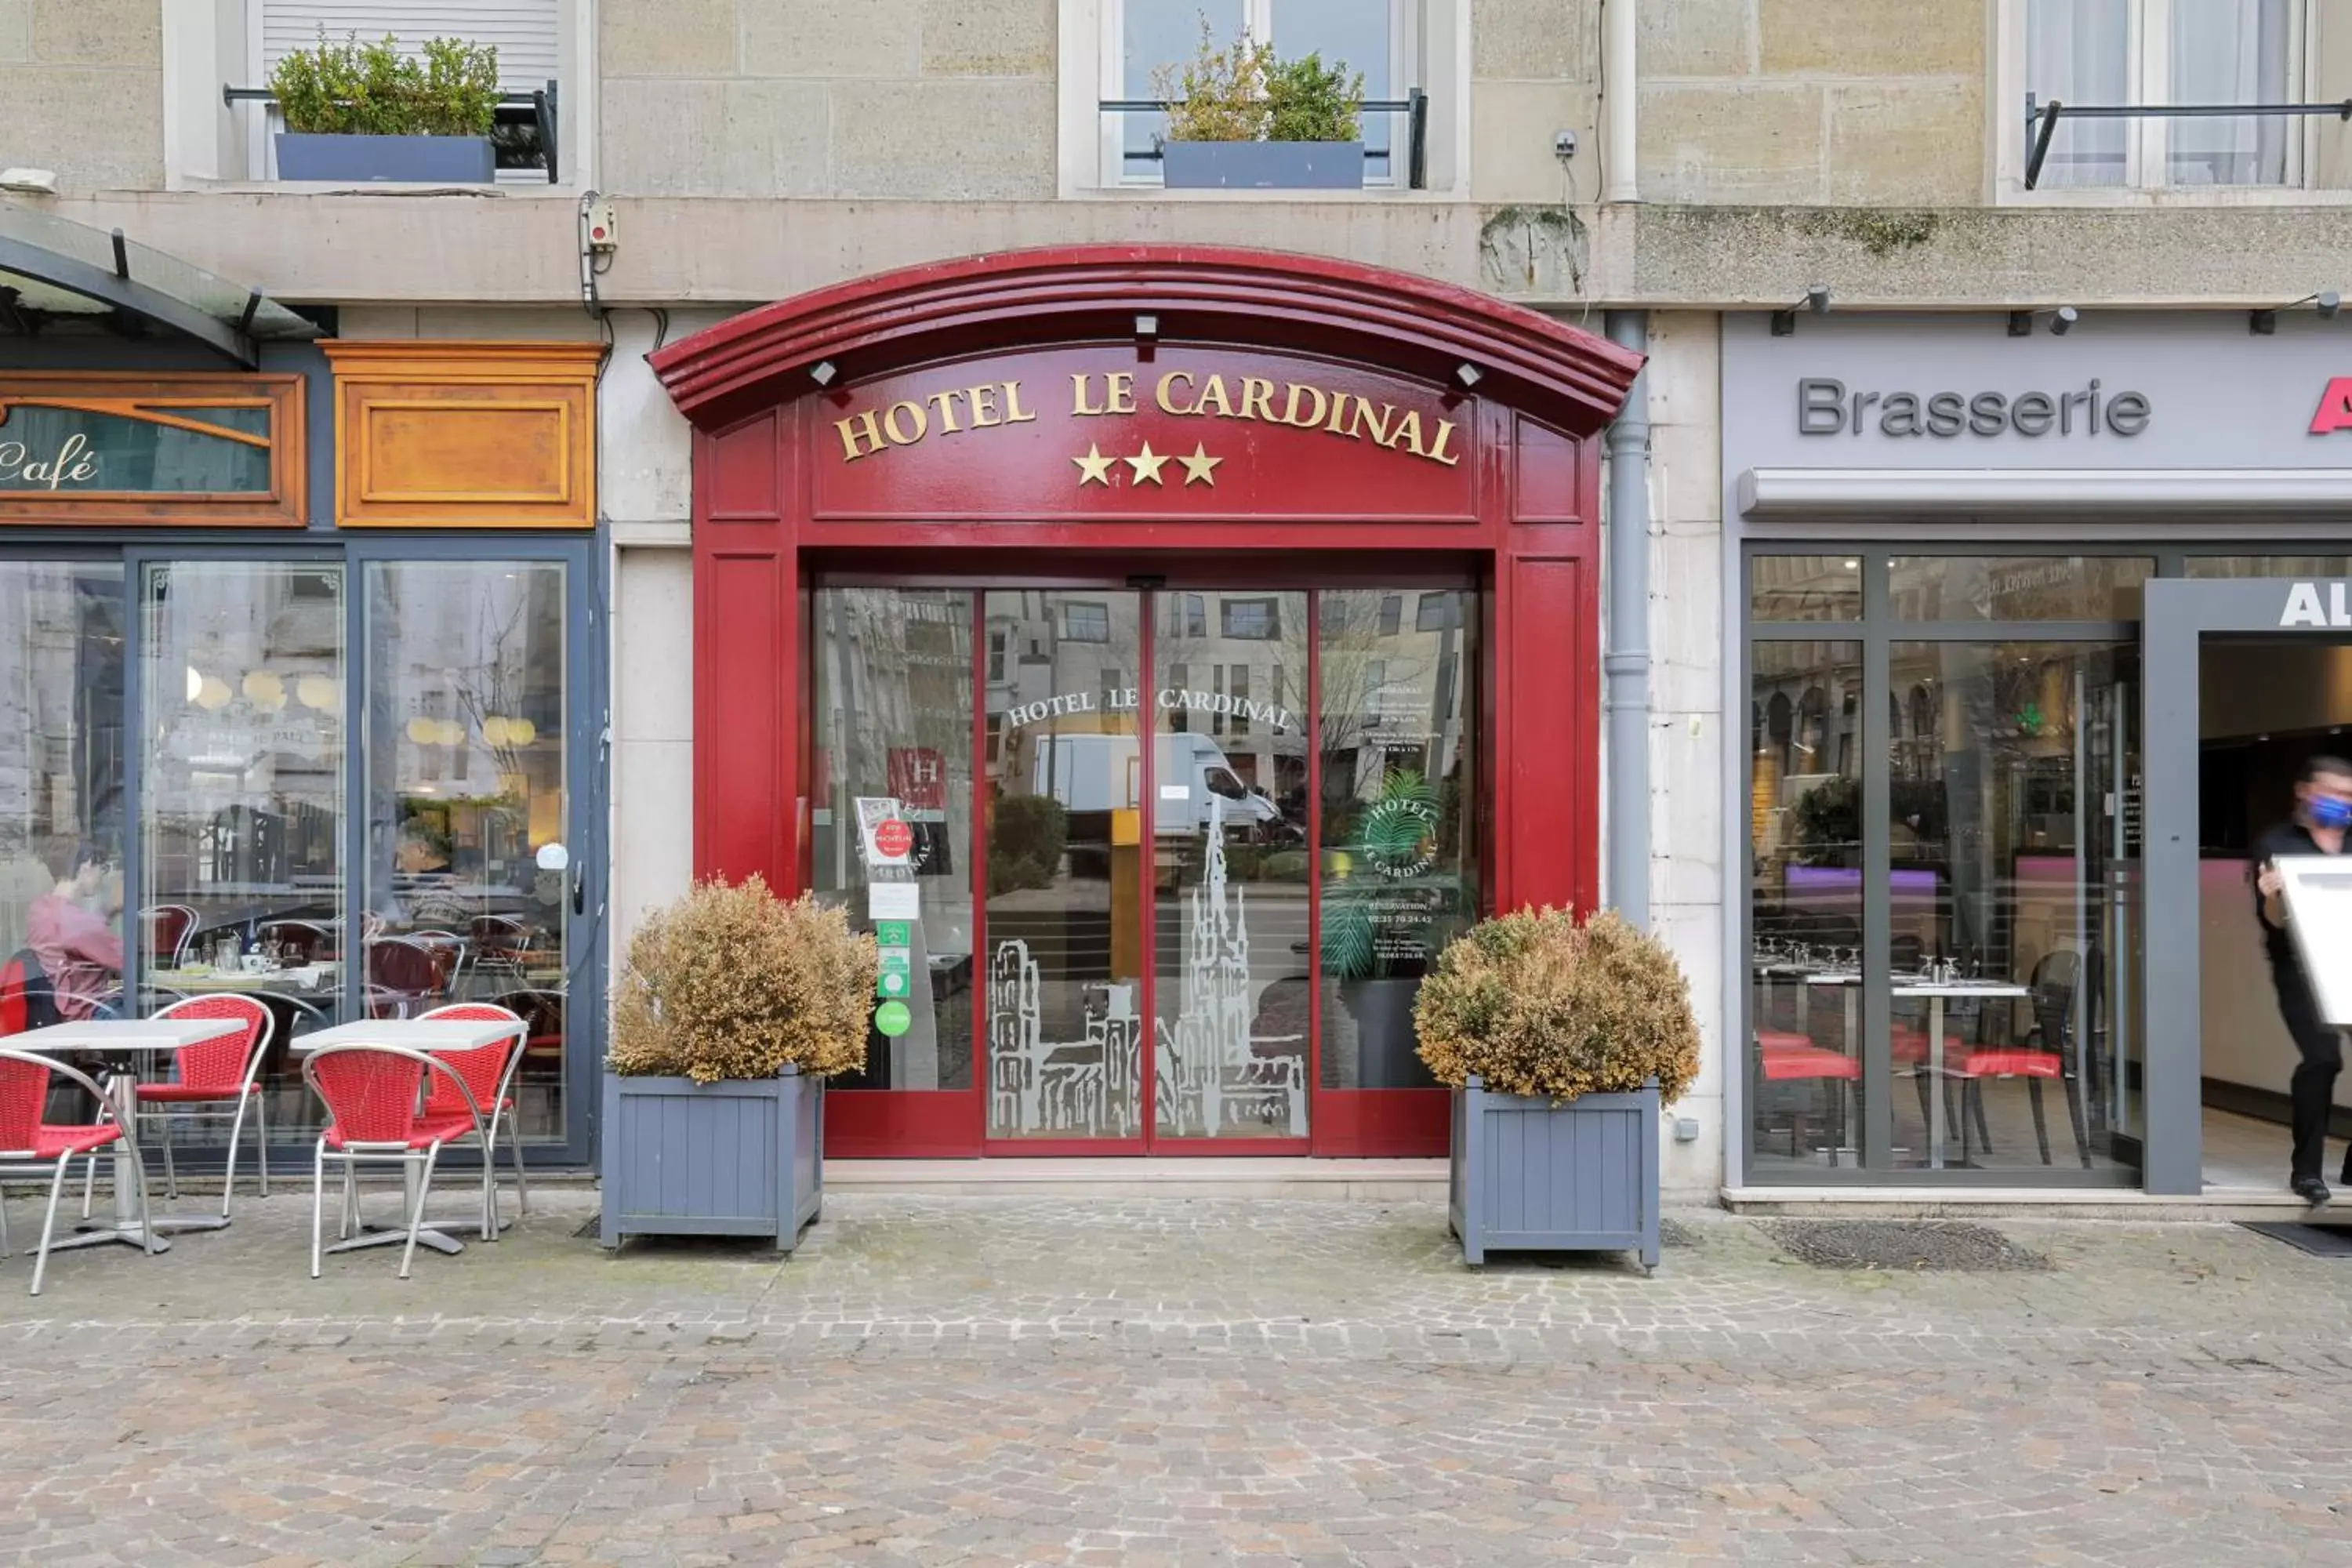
(419, 160)
(739, 1157)
(1262, 165)
(1530, 1175)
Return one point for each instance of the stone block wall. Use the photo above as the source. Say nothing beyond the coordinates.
(81, 91)
(1851, 102)
(923, 99)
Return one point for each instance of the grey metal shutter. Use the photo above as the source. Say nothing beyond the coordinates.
(525, 31)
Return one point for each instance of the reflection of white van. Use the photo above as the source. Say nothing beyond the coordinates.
(1091, 774)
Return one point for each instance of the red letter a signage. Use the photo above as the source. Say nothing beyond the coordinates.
(2335, 407)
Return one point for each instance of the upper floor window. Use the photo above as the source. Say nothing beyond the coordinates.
(1143, 39)
(2169, 53)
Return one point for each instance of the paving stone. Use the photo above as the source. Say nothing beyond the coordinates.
(1047, 1380)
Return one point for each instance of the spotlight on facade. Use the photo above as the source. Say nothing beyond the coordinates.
(821, 372)
(1816, 299)
(1468, 375)
(2265, 323)
(1147, 327)
(2063, 320)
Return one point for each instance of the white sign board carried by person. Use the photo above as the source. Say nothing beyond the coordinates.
(2318, 893)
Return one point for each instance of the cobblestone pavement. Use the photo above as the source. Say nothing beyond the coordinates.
(1054, 1380)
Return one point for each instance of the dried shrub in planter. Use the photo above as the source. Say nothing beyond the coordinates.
(730, 982)
(1535, 1004)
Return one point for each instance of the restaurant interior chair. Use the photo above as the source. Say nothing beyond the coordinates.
(28, 1139)
(167, 929)
(214, 1079)
(2041, 1056)
(373, 1096)
(404, 978)
(1783, 1056)
(449, 951)
(488, 1072)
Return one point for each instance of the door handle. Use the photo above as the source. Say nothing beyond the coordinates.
(579, 890)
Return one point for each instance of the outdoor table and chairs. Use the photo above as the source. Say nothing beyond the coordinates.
(398, 1092)
(30, 1140)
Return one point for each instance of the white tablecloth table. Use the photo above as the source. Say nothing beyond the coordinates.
(429, 1036)
(129, 1037)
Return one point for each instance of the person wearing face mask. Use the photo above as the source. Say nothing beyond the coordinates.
(2323, 812)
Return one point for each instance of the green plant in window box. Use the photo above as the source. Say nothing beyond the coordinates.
(1279, 124)
(1389, 907)
(450, 88)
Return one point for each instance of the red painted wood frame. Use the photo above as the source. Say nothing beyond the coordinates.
(950, 422)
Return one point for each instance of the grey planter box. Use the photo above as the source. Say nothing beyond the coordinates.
(1529, 1176)
(418, 160)
(1262, 165)
(739, 1157)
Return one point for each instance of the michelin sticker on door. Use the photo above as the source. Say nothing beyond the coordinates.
(873, 810)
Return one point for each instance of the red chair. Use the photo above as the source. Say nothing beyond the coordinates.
(219, 1079)
(404, 975)
(167, 928)
(501, 940)
(25, 1138)
(372, 1096)
(1784, 1056)
(489, 1074)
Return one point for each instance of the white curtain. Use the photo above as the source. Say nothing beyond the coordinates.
(2231, 51)
(2079, 52)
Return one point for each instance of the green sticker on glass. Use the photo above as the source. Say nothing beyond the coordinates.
(890, 984)
(893, 934)
(893, 1020)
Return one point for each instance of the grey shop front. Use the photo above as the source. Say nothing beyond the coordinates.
(1960, 551)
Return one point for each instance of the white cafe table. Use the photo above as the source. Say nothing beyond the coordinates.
(128, 1037)
(426, 1035)
(1938, 992)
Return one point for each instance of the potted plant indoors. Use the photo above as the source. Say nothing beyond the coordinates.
(367, 112)
(732, 1010)
(1560, 1041)
(1245, 119)
(1387, 910)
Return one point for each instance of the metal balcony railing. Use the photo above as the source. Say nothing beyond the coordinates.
(524, 131)
(2042, 119)
(1413, 106)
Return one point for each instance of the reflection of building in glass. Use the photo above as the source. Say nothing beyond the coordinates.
(1087, 1087)
(1211, 1079)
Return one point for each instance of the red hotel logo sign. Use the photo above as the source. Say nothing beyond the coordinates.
(2335, 407)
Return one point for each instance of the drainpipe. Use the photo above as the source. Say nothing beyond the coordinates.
(1618, 136)
(1625, 661)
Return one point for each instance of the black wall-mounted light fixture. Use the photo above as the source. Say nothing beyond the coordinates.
(1468, 375)
(2265, 323)
(2062, 322)
(1146, 326)
(1816, 299)
(821, 372)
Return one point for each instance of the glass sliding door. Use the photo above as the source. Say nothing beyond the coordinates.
(1065, 862)
(61, 790)
(243, 694)
(1230, 867)
(468, 821)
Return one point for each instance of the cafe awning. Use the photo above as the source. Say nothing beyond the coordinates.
(56, 274)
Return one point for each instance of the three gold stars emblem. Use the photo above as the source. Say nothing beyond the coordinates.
(1094, 468)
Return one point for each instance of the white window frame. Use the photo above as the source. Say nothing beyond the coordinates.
(210, 146)
(1095, 29)
(2147, 141)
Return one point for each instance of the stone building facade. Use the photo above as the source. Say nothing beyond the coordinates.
(1729, 155)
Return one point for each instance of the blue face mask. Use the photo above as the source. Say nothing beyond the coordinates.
(2326, 810)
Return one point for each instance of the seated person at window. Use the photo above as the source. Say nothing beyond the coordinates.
(71, 930)
(427, 897)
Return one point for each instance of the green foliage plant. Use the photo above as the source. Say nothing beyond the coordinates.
(449, 87)
(1536, 1003)
(1025, 842)
(729, 982)
(1241, 92)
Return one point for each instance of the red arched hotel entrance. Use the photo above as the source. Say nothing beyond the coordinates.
(1165, 650)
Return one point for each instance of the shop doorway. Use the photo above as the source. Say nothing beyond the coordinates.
(1174, 860)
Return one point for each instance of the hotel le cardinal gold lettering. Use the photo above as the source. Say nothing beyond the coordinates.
(1181, 394)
